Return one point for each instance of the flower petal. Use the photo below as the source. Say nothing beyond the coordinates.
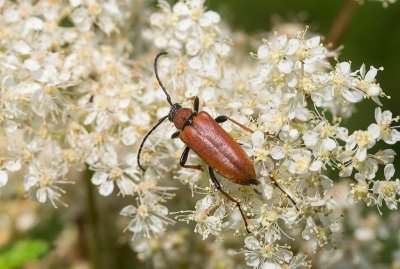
(389, 171)
(106, 188)
(3, 178)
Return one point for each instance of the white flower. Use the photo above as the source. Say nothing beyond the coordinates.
(8, 166)
(147, 218)
(265, 254)
(362, 141)
(206, 223)
(150, 190)
(108, 173)
(319, 234)
(3, 178)
(45, 181)
(259, 150)
(360, 192)
(187, 25)
(300, 161)
(342, 81)
(367, 83)
(387, 133)
(106, 14)
(387, 189)
(268, 220)
(385, 156)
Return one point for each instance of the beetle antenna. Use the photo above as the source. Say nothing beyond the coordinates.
(158, 78)
(144, 140)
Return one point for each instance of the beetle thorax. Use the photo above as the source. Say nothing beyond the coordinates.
(180, 115)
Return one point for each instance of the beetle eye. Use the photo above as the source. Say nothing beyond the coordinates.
(189, 121)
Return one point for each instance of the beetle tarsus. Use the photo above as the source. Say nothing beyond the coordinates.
(196, 104)
(219, 187)
(221, 119)
(258, 193)
(175, 135)
(254, 182)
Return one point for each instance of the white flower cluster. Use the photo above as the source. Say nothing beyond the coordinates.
(296, 104)
(385, 3)
(72, 98)
(66, 94)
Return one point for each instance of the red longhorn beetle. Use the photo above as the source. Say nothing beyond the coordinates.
(201, 133)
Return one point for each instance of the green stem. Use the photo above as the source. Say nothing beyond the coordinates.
(94, 241)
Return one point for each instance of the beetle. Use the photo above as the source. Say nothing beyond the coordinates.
(203, 134)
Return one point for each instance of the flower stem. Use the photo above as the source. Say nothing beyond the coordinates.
(92, 228)
(341, 23)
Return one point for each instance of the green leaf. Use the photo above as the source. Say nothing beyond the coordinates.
(22, 252)
(66, 22)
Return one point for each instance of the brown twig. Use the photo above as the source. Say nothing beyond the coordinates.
(341, 23)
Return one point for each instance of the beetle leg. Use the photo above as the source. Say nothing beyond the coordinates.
(195, 103)
(219, 187)
(183, 160)
(175, 135)
(221, 119)
(282, 190)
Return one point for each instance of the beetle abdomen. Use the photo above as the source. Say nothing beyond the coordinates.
(218, 149)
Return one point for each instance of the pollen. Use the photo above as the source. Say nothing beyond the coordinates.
(45, 181)
(278, 78)
(306, 85)
(208, 40)
(95, 9)
(315, 181)
(327, 131)
(268, 251)
(302, 164)
(50, 89)
(70, 156)
(261, 154)
(338, 80)
(201, 217)
(146, 186)
(388, 188)
(196, 14)
(115, 173)
(322, 234)
(98, 139)
(268, 217)
(363, 138)
(359, 192)
(143, 211)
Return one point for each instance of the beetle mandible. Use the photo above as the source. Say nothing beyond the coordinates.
(201, 133)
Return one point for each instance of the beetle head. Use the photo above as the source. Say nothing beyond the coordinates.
(174, 108)
(178, 115)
